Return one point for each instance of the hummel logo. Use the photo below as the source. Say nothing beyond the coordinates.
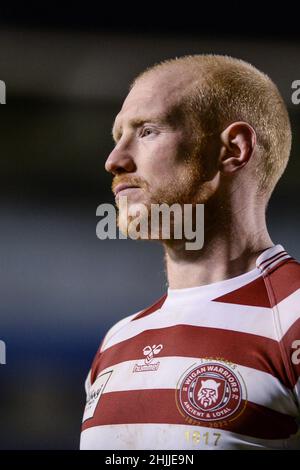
(149, 352)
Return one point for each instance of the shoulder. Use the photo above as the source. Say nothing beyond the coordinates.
(283, 280)
(112, 336)
(117, 327)
(283, 286)
(105, 341)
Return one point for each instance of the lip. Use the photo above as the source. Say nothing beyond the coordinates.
(122, 187)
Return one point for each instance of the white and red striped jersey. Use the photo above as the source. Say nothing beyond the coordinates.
(208, 367)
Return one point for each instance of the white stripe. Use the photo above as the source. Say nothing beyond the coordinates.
(174, 437)
(214, 290)
(261, 388)
(269, 259)
(115, 328)
(265, 256)
(289, 312)
(231, 317)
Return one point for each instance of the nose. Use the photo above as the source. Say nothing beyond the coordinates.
(120, 161)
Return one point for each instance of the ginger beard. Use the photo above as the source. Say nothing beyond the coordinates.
(188, 186)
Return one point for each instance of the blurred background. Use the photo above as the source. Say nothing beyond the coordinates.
(67, 73)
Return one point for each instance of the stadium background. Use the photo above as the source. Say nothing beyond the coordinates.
(62, 288)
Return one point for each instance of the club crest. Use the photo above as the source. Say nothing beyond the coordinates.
(211, 392)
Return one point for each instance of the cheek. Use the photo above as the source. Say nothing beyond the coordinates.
(166, 165)
(164, 180)
(162, 169)
(163, 156)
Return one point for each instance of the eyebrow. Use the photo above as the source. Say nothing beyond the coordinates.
(137, 122)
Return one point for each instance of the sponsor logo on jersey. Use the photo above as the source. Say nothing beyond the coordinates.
(94, 394)
(211, 392)
(148, 363)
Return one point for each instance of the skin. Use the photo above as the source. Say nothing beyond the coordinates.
(160, 156)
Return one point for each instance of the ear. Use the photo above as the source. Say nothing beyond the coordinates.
(238, 142)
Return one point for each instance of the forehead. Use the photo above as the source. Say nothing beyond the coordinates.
(152, 96)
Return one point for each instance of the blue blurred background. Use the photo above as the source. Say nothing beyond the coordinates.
(61, 288)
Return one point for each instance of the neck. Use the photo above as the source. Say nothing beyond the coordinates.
(232, 243)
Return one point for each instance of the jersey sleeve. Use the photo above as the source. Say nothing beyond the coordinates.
(288, 308)
(283, 286)
(291, 344)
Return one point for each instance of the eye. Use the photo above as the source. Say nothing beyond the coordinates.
(145, 131)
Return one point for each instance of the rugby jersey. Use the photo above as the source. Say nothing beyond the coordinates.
(208, 367)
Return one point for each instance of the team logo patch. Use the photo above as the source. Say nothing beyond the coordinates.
(211, 392)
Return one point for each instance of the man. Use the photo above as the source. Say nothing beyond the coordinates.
(214, 363)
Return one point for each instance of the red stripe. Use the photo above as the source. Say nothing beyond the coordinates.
(249, 350)
(290, 336)
(284, 279)
(95, 361)
(252, 294)
(278, 265)
(157, 305)
(159, 406)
